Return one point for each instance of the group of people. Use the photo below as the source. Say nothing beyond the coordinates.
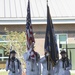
(34, 63)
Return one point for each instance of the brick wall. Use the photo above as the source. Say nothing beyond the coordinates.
(39, 31)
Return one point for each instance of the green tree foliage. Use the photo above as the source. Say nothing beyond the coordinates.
(16, 40)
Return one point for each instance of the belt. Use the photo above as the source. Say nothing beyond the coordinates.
(13, 71)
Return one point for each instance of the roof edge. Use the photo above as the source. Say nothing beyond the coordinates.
(20, 21)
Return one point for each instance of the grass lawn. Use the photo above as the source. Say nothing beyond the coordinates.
(6, 73)
(3, 73)
(72, 74)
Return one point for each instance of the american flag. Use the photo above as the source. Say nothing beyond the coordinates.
(29, 30)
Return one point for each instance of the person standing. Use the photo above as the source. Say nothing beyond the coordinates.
(64, 64)
(13, 65)
(44, 61)
(32, 59)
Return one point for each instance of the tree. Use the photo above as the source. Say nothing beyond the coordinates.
(16, 40)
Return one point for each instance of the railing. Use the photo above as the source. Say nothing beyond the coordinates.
(3, 58)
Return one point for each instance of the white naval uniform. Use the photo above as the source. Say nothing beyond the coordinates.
(60, 70)
(36, 65)
(44, 64)
(10, 68)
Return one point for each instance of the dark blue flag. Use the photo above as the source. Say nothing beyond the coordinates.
(50, 38)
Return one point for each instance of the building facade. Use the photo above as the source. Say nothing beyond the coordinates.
(13, 17)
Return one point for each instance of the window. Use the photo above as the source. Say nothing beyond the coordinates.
(3, 41)
(62, 38)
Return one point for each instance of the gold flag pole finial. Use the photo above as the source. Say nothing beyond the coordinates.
(47, 2)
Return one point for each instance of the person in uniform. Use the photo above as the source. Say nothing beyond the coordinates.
(32, 59)
(13, 65)
(64, 65)
(44, 61)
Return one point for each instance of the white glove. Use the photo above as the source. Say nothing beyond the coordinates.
(47, 54)
(67, 68)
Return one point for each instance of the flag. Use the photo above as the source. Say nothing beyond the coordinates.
(29, 30)
(50, 39)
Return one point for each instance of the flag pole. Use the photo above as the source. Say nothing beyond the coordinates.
(70, 56)
(48, 57)
(47, 2)
(67, 54)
